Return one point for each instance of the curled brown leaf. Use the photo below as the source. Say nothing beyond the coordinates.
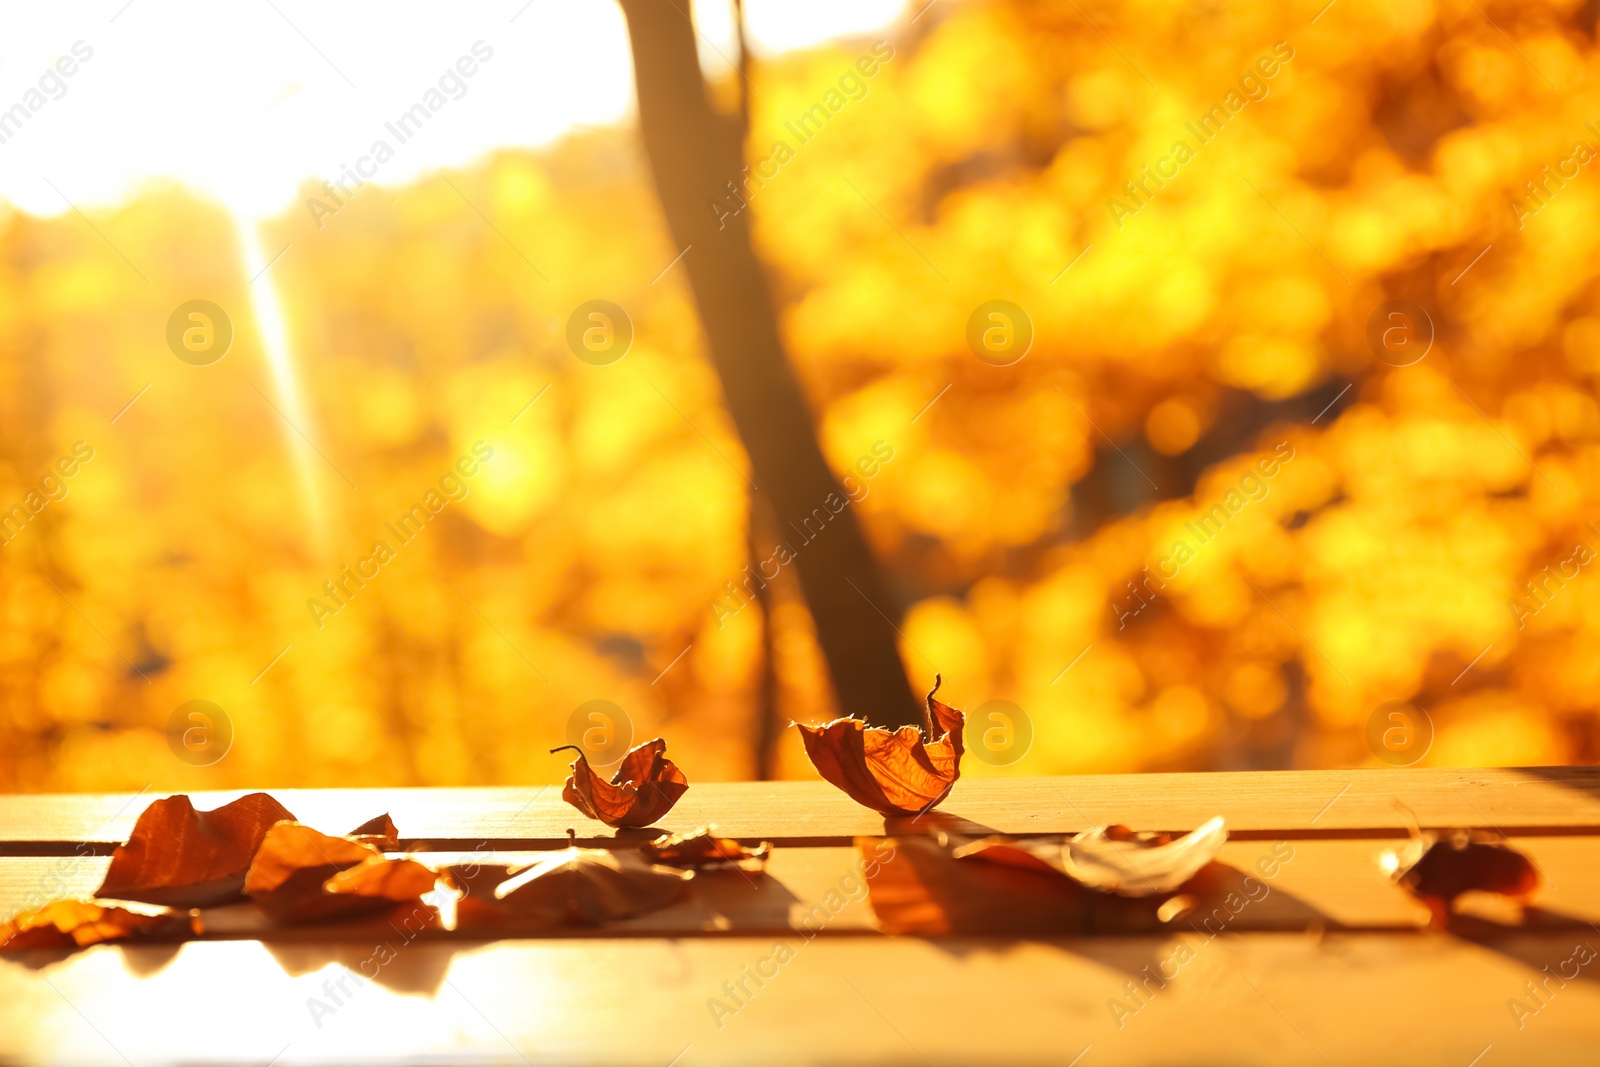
(1115, 859)
(183, 858)
(1438, 868)
(898, 772)
(702, 848)
(645, 787)
(1112, 859)
(379, 832)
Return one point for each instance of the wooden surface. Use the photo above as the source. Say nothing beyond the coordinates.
(1331, 966)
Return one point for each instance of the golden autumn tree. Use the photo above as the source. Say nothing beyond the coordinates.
(1197, 317)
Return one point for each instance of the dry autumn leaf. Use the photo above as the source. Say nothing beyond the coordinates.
(79, 923)
(1119, 861)
(1112, 859)
(702, 848)
(382, 881)
(1106, 880)
(900, 772)
(645, 787)
(1438, 868)
(300, 875)
(571, 887)
(183, 858)
(379, 832)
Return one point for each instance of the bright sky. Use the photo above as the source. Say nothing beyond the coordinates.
(244, 99)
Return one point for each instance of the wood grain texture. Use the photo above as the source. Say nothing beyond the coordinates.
(1243, 1000)
(1255, 803)
(1328, 967)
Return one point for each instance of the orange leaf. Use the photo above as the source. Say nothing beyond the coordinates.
(1438, 868)
(78, 923)
(383, 881)
(379, 832)
(645, 787)
(702, 848)
(897, 772)
(184, 858)
(300, 874)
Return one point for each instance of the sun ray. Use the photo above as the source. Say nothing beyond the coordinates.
(298, 431)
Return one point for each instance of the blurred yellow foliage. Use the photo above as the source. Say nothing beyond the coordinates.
(1228, 316)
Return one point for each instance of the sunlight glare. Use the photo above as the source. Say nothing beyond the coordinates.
(275, 343)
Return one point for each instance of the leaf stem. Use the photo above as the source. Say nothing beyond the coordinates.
(927, 712)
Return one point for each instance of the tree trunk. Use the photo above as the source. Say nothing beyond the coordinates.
(768, 717)
(694, 154)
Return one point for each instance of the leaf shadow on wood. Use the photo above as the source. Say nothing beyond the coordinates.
(923, 892)
(719, 899)
(141, 960)
(729, 898)
(396, 948)
(1581, 780)
(1529, 942)
(416, 968)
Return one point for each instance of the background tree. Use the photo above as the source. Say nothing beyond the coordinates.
(1421, 545)
(696, 156)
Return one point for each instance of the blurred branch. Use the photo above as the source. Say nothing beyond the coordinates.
(694, 156)
(1112, 488)
(744, 70)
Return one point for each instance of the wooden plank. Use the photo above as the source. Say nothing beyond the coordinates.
(1261, 804)
(1323, 883)
(1352, 983)
(1244, 1000)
